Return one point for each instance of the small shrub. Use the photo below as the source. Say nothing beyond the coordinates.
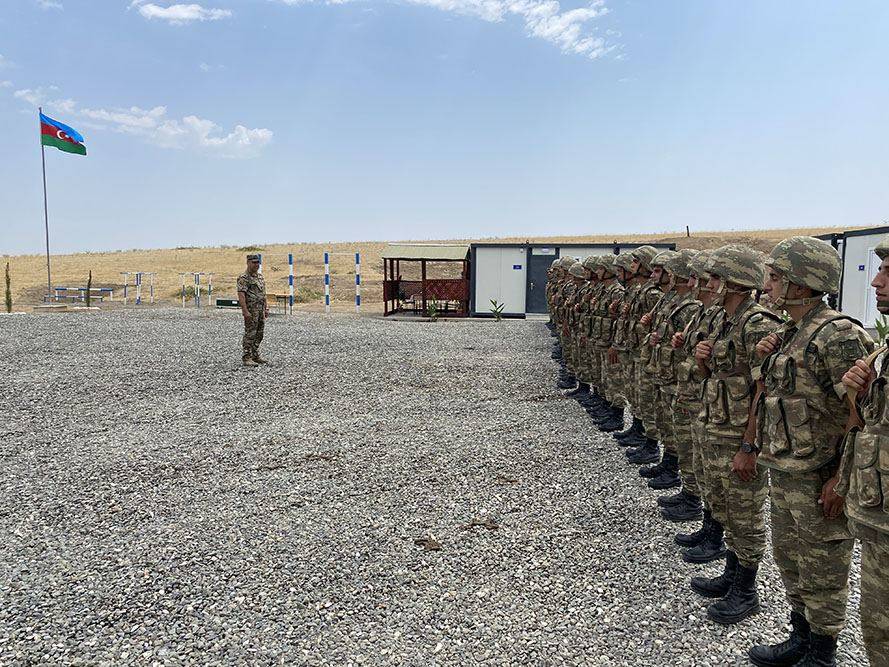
(881, 325)
(432, 310)
(497, 309)
(250, 248)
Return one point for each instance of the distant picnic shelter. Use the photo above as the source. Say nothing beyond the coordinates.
(413, 295)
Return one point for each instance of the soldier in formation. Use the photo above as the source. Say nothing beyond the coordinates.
(742, 383)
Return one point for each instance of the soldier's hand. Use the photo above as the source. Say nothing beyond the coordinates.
(655, 338)
(678, 339)
(744, 465)
(703, 350)
(626, 309)
(768, 345)
(247, 317)
(831, 503)
(645, 320)
(858, 377)
(612, 356)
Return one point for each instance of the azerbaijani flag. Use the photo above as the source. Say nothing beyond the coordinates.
(54, 133)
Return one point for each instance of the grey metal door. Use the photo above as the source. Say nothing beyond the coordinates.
(539, 261)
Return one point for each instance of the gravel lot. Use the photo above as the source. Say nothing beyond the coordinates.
(161, 504)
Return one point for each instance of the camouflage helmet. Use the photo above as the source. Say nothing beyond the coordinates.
(566, 262)
(554, 265)
(578, 270)
(680, 265)
(662, 258)
(738, 264)
(644, 253)
(882, 248)
(604, 262)
(589, 263)
(807, 262)
(624, 260)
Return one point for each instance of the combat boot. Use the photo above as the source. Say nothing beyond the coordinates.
(647, 453)
(673, 500)
(248, 361)
(669, 476)
(634, 430)
(709, 549)
(599, 413)
(741, 601)
(578, 392)
(790, 651)
(717, 587)
(568, 382)
(693, 539)
(822, 652)
(650, 472)
(259, 360)
(615, 422)
(689, 510)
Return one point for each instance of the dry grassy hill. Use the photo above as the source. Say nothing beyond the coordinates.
(29, 271)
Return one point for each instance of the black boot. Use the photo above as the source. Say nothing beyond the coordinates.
(650, 472)
(669, 476)
(822, 652)
(693, 539)
(671, 501)
(567, 382)
(601, 413)
(790, 651)
(616, 422)
(647, 453)
(710, 549)
(690, 510)
(716, 587)
(635, 429)
(741, 601)
(581, 390)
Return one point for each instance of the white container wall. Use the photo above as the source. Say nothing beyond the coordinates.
(500, 274)
(860, 268)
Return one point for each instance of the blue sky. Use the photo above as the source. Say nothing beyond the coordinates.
(242, 121)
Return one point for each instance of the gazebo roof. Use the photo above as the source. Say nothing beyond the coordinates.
(428, 251)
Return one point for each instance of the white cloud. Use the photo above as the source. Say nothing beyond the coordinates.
(179, 14)
(156, 127)
(570, 30)
(4, 62)
(5, 84)
(49, 4)
(205, 67)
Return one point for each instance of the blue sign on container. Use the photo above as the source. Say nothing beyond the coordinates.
(517, 267)
(861, 267)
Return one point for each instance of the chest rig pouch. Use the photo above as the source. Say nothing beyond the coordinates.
(871, 471)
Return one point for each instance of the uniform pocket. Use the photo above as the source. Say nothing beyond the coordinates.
(713, 390)
(799, 430)
(773, 427)
(737, 396)
(867, 477)
(666, 369)
(883, 466)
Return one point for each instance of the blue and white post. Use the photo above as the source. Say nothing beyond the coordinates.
(197, 290)
(138, 288)
(326, 282)
(290, 279)
(357, 282)
(209, 290)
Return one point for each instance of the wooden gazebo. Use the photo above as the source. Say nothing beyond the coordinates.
(451, 294)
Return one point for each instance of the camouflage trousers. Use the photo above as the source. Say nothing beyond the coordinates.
(736, 504)
(698, 437)
(663, 418)
(253, 331)
(619, 375)
(606, 383)
(645, 404)
(813, 553)
(682, 436)
(874, 592)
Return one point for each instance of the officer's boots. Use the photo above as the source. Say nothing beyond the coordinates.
(615, 422)
(741, 601)
(647, 453)
(822, 652)
(709, 549)
(717, 587)
(668, 478)
(790, 651)
(688, 510)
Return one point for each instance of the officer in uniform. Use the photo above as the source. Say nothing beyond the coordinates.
(801, 421)
(729, 361)
(864, 481)
(251, 298)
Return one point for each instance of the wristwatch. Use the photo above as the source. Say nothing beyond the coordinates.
(749, 448)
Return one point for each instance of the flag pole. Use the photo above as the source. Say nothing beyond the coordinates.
(45, 207)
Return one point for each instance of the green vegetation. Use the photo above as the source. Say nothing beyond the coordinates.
(8, 290)
(497, 309)
(432, 310)
(307, 295)
(882, 326)
(250, 248)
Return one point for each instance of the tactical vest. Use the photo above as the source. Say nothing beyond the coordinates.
(728, 392)
(689, 386)
(867, 500)
(621, 339)
(664, 357)
(604, 323)
(801, 420)
(649, 296)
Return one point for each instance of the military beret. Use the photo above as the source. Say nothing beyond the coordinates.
(254, 258)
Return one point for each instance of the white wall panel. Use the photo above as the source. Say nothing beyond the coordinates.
(500, 274)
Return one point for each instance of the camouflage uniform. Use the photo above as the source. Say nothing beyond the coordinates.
(801, 421)
(728, 396)
(603, 330)
(864, 481)
(621, 372)
(253, 287)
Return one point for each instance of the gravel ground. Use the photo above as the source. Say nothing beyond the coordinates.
(161, 504)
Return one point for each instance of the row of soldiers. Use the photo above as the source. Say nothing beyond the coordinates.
(743, 384)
